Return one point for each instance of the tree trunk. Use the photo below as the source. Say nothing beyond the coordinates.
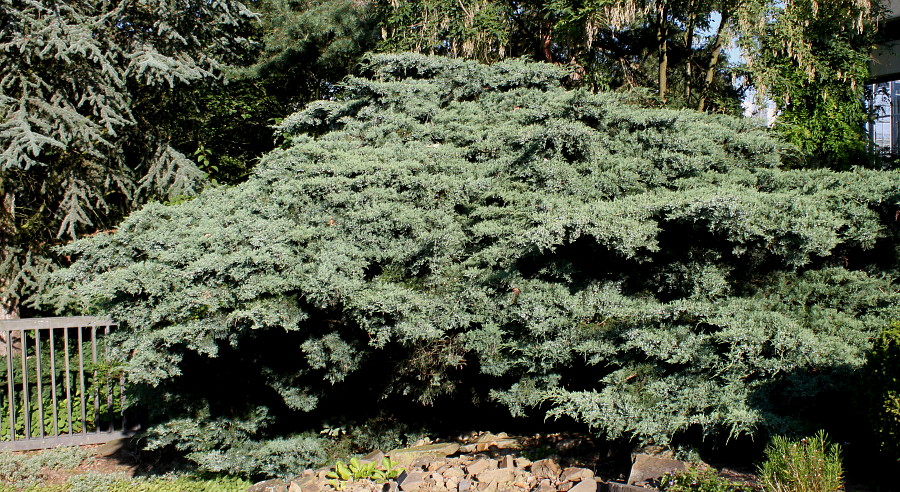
(662, 38)
(718, 45)
(9, 309)
(9, 303)
(546, 48)
(689, 45)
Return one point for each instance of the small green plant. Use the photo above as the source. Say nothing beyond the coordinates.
(356, 470)
(696, 479)
(808, 465)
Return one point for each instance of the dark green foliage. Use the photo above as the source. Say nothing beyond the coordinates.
(308, 46)
(88, 91)
(300, 50)
(442, 226)
(226, 127)
(883, 383)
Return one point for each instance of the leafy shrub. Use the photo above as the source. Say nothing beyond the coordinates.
(696, 479)
(883, 382)
(808, 465)
(444, 229)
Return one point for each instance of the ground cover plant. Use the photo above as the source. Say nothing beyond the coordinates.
(442, 230)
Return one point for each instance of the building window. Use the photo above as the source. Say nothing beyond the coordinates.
(884, 107)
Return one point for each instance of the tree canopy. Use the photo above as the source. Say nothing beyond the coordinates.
(88, 91)
(106, 106)
(648, 272)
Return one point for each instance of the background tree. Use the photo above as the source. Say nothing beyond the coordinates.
(86, 91)
(300, 50)
(812, 59)
(444, 229)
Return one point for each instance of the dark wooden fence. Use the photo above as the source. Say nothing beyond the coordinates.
(60, 388)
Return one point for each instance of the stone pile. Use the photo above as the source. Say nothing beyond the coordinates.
(492, 463)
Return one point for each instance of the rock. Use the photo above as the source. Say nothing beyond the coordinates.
(481, 465)
(522, 462)
(491, 487)
(646, 467)
(567, 445)
(621, 487)
(576, 474)
(304, 479)
(488, 437)
(300, 487)
(545, 486)
(438, 478)
(405, 456)
(112, 447)
(390, 486)
(303, 484)
(464, 485)
(564, 486)
(274, 485)
(422, 462)
(453, 472)
(412, 480)
(375, 456)
(487, 441)
(507, 462)
(546, 469)
(588, 485)
(496, 475)
(656, 450)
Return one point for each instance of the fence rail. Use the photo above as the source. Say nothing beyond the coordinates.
(60, 389)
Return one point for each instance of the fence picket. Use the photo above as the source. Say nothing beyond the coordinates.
(96, 382)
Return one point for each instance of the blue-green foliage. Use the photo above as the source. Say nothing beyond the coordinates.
(641, 270)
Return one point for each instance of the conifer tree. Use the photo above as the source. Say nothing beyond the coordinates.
(85, 91)
(440, 226)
